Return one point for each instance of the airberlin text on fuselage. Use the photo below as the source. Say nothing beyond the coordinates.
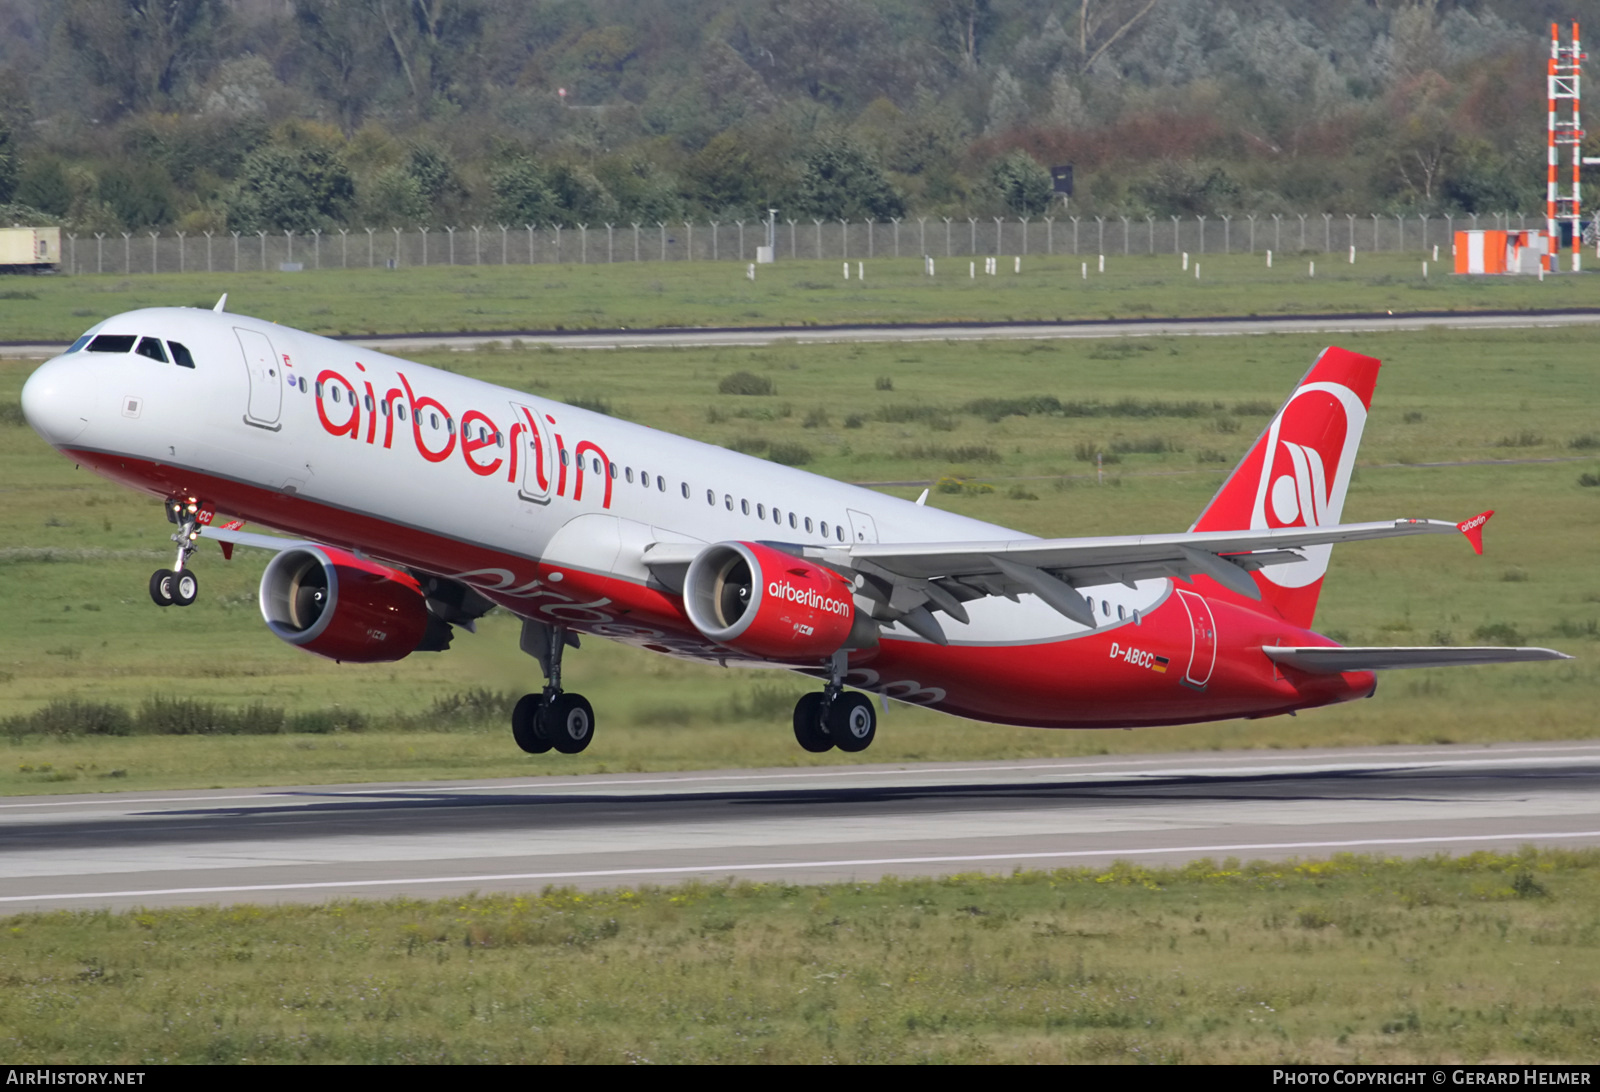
(807, 598)
(478, 434)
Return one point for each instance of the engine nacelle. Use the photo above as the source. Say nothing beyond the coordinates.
(766, 603)
(344, 607)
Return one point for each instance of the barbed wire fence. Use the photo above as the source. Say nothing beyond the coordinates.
(154, 251)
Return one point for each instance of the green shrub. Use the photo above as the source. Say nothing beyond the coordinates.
(746, 383)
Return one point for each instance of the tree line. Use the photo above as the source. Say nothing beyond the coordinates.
(298, 115)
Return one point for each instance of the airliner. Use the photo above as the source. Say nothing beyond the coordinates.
(409, 501)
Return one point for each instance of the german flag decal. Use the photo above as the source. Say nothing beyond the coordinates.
(1160, 664)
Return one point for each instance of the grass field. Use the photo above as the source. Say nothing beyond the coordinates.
(1516, 414)
(804, 293)
(1486, 958)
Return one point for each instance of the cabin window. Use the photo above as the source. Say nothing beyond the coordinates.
(1121, 614)
(565, 461)
(777, 516)
(761, 511)
(661, 485)
(628, 473)
(611, 468)
(744, 506)
(338, 393)
(824, 528)
(449, 425)
(182, 358)
(792, 522)
(113, 343)
(838, 531)
(383, 407)
(400, 410)
(151, 347)
(1105, 608)
(367, 401)
(500, 441)
(644, 478)
(711, 497)
(808, 525)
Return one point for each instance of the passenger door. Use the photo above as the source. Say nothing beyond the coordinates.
(265, 370)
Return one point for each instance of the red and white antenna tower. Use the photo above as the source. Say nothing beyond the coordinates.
(1566, 129)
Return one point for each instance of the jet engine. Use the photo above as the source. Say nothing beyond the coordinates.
(767, 603)
(344, 607)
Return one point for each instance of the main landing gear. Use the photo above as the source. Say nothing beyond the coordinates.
(552, 718)
(834, 718)
(178, 586)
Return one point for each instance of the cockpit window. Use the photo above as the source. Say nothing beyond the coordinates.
(80, 343)
(113, 343)
(151, 347)
(180, 355)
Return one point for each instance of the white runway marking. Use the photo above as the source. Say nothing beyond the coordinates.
(863, 862)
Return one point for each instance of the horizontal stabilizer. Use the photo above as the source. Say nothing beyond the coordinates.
(1330, 661)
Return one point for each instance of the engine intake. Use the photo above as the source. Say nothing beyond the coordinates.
(767, 603)
(344, 607)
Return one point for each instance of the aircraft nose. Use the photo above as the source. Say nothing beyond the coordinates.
(55, 400)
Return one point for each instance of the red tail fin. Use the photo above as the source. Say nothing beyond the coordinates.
(1296, 475)
(1473, 529)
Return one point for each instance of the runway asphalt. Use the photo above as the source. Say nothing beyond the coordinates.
(757, 336)
(802, 825)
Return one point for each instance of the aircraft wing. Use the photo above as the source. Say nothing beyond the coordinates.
(909, 580)
(1330, 661)
(229, 536)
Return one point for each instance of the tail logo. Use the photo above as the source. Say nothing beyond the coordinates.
(1305, 472)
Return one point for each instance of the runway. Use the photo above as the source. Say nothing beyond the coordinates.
(804, 825)
(965, 331)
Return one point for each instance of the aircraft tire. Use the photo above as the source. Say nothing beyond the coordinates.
(161, 587)
(527, 727)
(809, 731)
(852, 722)
(185, 586)
(569, 723)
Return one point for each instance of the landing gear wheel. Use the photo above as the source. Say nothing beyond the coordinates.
(161, 587)
(569, 722)
(526, 726)
(185, 586)
(808, 728)
(852, 722)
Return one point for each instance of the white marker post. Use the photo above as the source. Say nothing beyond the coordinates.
(1424, 270)
(1435, 251)
(1196, 270)
(1085, 270)
(1186, 261)
(861, 271)
(972, 271)
(1269, 259)
(1102, 263)
(1313, 272)
(846, 270)
(1016, 266)
(1352, 254)
(750, 271)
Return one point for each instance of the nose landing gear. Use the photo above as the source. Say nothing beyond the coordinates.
(177, 586)
(554, 718)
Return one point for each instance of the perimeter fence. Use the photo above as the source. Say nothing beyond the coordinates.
(540, 244)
